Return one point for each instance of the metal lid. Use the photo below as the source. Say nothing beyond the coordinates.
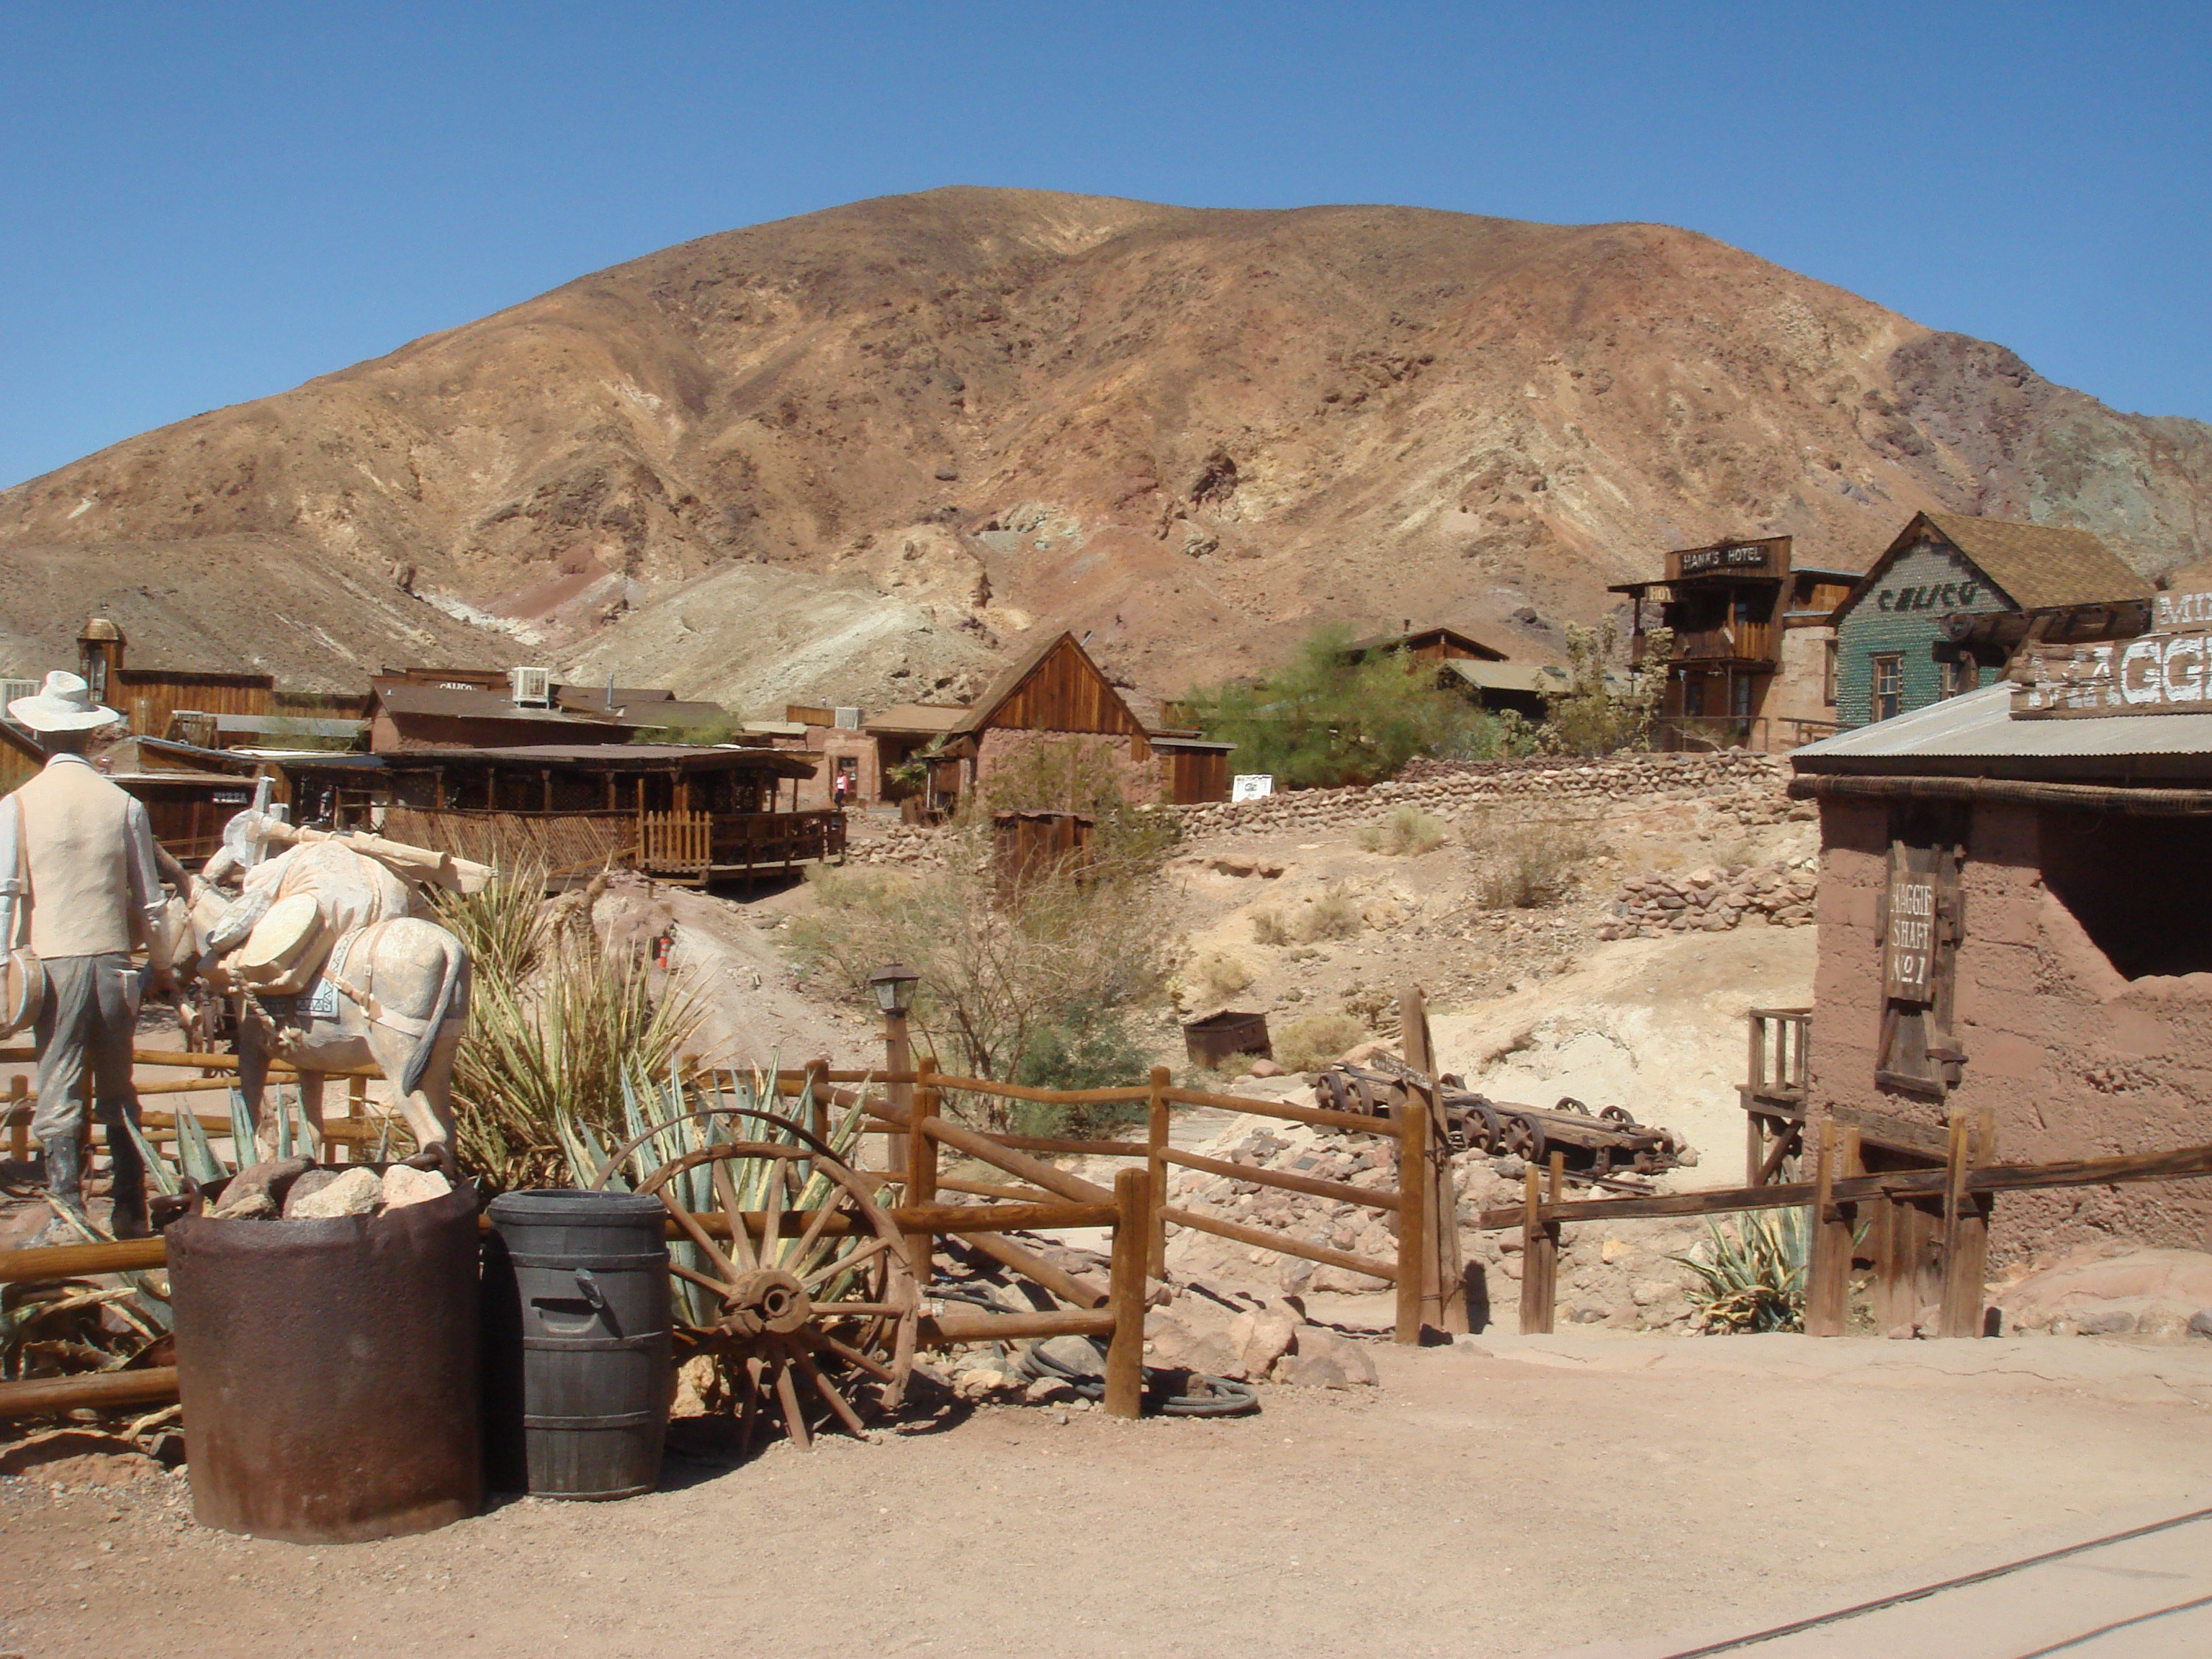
(569, 1207)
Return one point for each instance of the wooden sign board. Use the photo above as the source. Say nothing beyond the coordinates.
(2186, 612)
(1911, 945)
(2151, 674)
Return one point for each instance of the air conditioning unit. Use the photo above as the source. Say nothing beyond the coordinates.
(533, 687)
(849, 719)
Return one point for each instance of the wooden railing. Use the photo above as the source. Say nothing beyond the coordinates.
(675, 842)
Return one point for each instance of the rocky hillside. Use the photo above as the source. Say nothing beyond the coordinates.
(861, 453)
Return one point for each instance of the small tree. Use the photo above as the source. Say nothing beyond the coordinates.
(1332, 717)
(1597, 715)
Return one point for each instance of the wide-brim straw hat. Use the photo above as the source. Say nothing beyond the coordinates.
(64, 703)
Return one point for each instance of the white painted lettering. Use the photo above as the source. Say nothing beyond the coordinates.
(2139, 687)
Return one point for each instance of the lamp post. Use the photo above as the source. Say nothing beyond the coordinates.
(893, 984)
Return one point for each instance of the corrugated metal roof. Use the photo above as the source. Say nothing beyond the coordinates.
(1979, 726)
(457, 703)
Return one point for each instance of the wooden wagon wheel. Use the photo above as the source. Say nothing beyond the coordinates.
(830, 1302)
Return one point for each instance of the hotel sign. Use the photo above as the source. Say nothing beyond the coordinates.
(1700, 560)
(2151, 674)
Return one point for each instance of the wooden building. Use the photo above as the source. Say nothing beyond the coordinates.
(2011, 917)
(1893, 628)
(404, 714)
(679, 812)
(20, 758)
(148, 697)
(1053, 691)
(898, 736)
(1752, 658)
(189, 793)
(1435, 643)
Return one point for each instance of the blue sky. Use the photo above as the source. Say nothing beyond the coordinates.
(206, 203)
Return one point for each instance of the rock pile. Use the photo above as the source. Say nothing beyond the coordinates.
(901, 845)
(1713, 900)
(295, 1189)
(1744, 788)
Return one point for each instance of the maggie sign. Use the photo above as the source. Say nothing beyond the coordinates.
(2152, 674)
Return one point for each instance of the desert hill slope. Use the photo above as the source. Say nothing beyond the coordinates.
(861, 453)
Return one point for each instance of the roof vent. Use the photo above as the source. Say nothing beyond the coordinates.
(533, 687)
(849, 719)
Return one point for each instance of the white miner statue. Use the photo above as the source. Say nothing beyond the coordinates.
(79, 889)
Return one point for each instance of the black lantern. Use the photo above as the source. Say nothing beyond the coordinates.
(893, 985)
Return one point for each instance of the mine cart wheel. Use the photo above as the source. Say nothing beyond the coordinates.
(1618, 1115)
(1525, 1141)
(1568, 1104)
(1330, 1087)
(1484, 1131)
(833, 1308)
(1365, 1100)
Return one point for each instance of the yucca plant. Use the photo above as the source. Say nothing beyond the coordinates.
(1751, 1272)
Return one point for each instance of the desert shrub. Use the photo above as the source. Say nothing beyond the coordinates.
(1600, 711)
(1214, 974)
(1751, 1273)
(1408, 832)
(1051, 974)
(1332, 914)
(1268, 929)
(1307, 1043)
(1328, 718)
(1080, 774)
(1527, 863)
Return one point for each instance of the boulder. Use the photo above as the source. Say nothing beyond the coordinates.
(356, 1192)
(1261, 1338)
(1322, 1359)
(403, 1186)
(2200, 1323)
(259, 1189)
(305, 1187)
(1265, 1068)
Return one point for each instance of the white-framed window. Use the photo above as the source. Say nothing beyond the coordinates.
(1886, 684)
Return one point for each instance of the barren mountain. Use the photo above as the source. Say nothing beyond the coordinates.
(858, 454)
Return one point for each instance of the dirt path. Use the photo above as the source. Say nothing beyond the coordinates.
(1510, 1496)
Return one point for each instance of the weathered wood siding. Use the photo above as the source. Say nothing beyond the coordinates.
(147, 697)
(1193, 778)
(1066, 693)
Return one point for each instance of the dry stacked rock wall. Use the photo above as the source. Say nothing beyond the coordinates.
(1734, 785)
(1713, 900)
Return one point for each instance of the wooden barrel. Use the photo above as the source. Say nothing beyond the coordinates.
(577, 1318)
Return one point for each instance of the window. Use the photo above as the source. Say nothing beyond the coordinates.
(1828, 675)
(1693, 696)
(1887, 673)
(1740, 697)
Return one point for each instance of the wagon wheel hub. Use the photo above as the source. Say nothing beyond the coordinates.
(767, 1299)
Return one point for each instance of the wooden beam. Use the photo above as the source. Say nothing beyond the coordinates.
(1343, 1192)
(1828, 1269)
(1034, 1269)
(953, 1325)
(932, 1218)
(1156, 1166)
(1284, 1245)
(94, 1390)
(1540, 1261)
(1355, 1122)
(1965, 1226)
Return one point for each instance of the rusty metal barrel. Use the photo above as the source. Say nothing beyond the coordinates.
(328, 1371)
(578, 1322)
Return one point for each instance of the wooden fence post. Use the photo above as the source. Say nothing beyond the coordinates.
(1540, 1259)
(921, 1171)
(1444, 1269)
(1966, 1225)
(818, 1096)
(1828, 1264)
(1155, 1143)
(1125, 1352)
(1412, 1214)
(19, 1121)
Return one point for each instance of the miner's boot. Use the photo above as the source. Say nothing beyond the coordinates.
(66, 1185)
(126, 1192)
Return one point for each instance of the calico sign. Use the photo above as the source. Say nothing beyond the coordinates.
(2152, 674)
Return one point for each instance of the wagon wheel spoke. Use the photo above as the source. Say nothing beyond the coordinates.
(718, 1286)
(812, 1236)
(828, 1392)
(823, 1275)
(852, 1356)
(793, 1419)
(699, 1236)
(741, 1242)
(771, 1245)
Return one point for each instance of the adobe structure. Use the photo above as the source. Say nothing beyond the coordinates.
(1751, 663)
(1896, 631)
(2012, 916)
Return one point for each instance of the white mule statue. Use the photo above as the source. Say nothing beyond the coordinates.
(333, 967)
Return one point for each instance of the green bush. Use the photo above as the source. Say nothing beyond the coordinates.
(1307, 1044)
(1751, 1273)
(1334, 915)
(1326, 719)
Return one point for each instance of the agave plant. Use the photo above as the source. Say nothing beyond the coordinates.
(1752, 1273)
(663, 1122)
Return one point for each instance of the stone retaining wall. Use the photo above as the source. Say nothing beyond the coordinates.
(1713, 900)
